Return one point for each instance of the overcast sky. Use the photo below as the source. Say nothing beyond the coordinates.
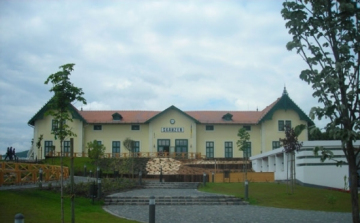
(145, 55)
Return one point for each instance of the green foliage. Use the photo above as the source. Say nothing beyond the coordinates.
(64, 94)
(95, 151)
(326, 35)
(290, 142)
(243, 141)
(128, 144)
(38, 143)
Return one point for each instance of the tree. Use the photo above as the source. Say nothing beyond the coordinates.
(291, 144)
(326, 35)
(243, 145)
(38, 144)
(128, 144)
(64, 94)
(95, 151)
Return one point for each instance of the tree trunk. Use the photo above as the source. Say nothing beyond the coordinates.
(353, 182)
(61, 183)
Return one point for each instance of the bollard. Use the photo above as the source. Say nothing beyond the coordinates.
(204, 179)
(84, 170)
(90, 173)
(246, 190)
(161, 175)
(40, 177)
(212, 177)
(140, 174)
(152, 209)
(19, 218)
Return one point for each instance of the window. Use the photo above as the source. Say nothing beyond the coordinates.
(209, 149)
(228, 149)
(66, 148)
(209, 128)
(163, 145)
(275, 144)
(135, 127)
(136, 147)
(48, 148)
(97, 127)
(247, 127)
(115, 148)
(282, 124)
(181, 145)
(55, 124)
(227, 117)
(99, 142)
(247, 151)
(116, 116)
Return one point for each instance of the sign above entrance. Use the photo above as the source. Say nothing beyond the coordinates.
(172, 129)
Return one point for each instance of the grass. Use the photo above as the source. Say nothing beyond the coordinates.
(277, 195)
(42, 206)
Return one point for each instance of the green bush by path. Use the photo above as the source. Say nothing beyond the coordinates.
(278, 195)
(41, 206)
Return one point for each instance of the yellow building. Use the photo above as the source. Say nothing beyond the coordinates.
(173, 132)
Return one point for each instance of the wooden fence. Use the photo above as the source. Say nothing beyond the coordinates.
(23, 173)
(240, 177)
(190, 155)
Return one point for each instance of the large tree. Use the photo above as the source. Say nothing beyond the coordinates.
(64, 94)
(326, 35)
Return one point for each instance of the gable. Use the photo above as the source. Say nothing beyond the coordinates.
(170, 109)
(41, 113)
(285, 103)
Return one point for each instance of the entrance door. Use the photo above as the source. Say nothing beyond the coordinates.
(163, 145)
(181, 148)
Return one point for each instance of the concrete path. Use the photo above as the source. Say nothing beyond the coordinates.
(216, 213)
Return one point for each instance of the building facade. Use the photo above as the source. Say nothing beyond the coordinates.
(210, 134)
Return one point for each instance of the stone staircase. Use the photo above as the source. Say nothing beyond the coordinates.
(171, 185)
(179, 200)
(174, 200)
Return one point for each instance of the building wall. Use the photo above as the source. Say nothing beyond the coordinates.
(43, 127)
(308, 167)
(270, 131)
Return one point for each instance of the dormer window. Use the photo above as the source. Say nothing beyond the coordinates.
(227, 117)
(116, 116)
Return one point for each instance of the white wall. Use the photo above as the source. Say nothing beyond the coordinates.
(309, 168)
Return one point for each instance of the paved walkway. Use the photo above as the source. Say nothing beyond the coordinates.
(216, 213)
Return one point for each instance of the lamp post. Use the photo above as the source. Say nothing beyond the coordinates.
(204, 179)
(40, 177)
(84, 170)
(140, 175)
(152, 209)
(212, 176)
(161, 176)
(19, 218)
(246, 189)
(98, 175)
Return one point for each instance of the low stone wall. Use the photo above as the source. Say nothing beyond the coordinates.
(240, 177)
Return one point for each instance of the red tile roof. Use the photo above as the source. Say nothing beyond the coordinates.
(213, 117)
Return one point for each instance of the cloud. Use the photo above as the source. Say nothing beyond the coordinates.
(144, 55)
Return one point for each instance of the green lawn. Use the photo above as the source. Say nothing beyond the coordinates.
(41, 206)
(277, 195)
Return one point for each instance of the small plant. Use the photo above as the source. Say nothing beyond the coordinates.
(331, 199)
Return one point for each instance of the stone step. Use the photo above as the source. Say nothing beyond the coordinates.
(182, 200)
(171, 185)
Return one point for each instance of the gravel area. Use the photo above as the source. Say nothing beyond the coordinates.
(216, 213)
(226, 213)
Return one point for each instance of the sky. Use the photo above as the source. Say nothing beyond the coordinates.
(145, 55)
